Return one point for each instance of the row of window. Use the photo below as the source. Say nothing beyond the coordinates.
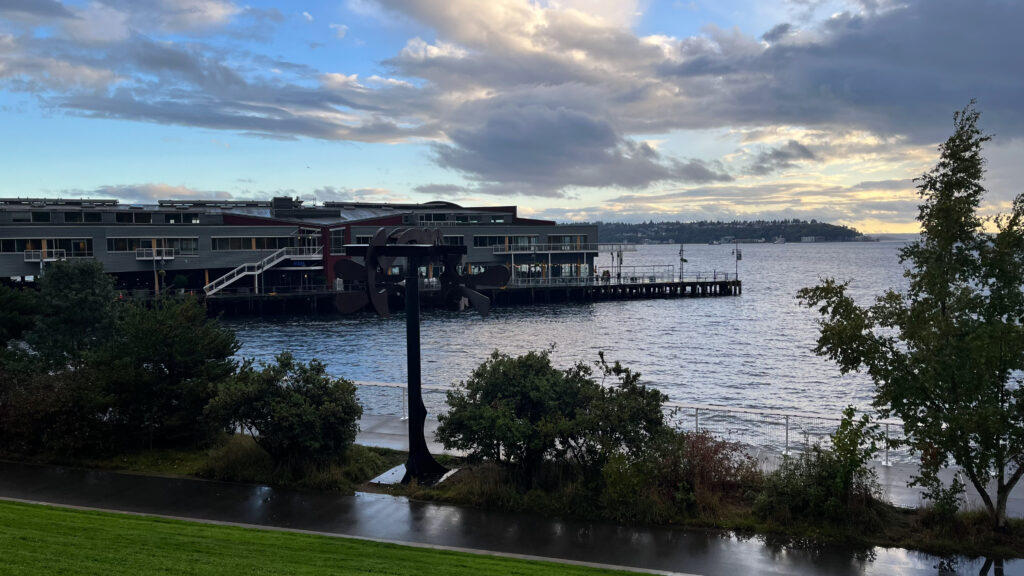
(72, 247)
(182, 246)
(486, 241)
(253, 243)
(97, 217)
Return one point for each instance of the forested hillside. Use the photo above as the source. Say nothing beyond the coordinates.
(703, 232)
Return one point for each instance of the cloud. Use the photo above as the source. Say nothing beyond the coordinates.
(779, 158)
(307, 16)
(344, 194)
(777, 32)
(37, 8)
(549, 98)
(340, 30)
(171, 16)
(147, 193)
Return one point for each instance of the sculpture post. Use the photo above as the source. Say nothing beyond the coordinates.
(421, 464)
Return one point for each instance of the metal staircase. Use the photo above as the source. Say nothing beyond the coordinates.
(252, 268)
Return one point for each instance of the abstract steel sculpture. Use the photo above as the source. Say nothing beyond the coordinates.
(420, 247)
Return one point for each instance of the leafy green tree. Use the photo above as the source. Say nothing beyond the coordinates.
(17, 312)
(522, 411)
(162, 365)
(76, 301)
(512, 410)
(296, 412)
(946, 355)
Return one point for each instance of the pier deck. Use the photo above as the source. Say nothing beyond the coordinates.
(523, 291)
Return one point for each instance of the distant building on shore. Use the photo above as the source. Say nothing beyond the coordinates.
(278, 245)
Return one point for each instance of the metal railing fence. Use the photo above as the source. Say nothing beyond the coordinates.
(768, 435)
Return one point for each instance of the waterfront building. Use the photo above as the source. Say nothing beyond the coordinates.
(267, 247)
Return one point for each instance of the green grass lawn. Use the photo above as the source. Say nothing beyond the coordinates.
(47, 541)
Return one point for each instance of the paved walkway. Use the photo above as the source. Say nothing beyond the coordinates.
(392, 432)
(380, 517)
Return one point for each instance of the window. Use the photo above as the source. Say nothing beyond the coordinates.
(72, 247)
(183, 218)
(7, 246)
(485, 241)
(434, 217)
(338, 241)
(522, 240)
(92, 217)
(363, 239)
(40, 216)
(72, 217)
(454, 240)
(21, 217)
(134, 218)
(251, 243)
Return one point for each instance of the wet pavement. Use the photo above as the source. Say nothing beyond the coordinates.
(393, 519)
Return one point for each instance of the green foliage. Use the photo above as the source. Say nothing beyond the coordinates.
(53, 413)
(706, 231)
(683, 474)
(239, 459)
(946, 355)
(818, 485)
(162, 365)
(75, 311)
(524, 412)
(301, 416)
(17, 312)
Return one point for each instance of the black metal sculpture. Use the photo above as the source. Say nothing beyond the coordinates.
(420, 247)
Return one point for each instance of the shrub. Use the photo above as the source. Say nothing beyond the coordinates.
(240, 459)
(58, 414)
(524, 412)
(162, 366)
(301, 416)
(834, 484)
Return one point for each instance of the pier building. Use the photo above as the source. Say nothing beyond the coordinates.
(222, 247)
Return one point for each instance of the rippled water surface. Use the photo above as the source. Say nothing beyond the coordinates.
(750, 351)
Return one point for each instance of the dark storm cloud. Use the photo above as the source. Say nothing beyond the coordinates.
(547, 149)
(777, 32)
(779, 158)
(901, 70)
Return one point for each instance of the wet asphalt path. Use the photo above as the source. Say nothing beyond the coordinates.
(382, 517)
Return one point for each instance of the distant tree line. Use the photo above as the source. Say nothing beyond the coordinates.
(707, 231)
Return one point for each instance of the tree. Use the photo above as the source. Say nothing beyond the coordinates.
(946, 355)
(76, 300)
(162, 365)
(296, 412)
(523, 411)
(17, 313)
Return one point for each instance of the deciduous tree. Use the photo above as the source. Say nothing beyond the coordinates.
(947, 355)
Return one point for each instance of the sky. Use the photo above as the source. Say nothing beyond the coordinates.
(574, 110)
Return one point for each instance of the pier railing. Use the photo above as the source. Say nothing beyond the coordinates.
(768, 435)
(662, 275)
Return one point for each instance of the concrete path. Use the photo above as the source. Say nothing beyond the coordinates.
(380, 517)
(392, 432)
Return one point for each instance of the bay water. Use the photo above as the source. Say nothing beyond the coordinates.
(750, 351)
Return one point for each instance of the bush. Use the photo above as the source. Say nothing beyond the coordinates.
(683, 474)
(524, 412)
(162, 366)
(301, 416)
(835, 485)
(240, 459)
